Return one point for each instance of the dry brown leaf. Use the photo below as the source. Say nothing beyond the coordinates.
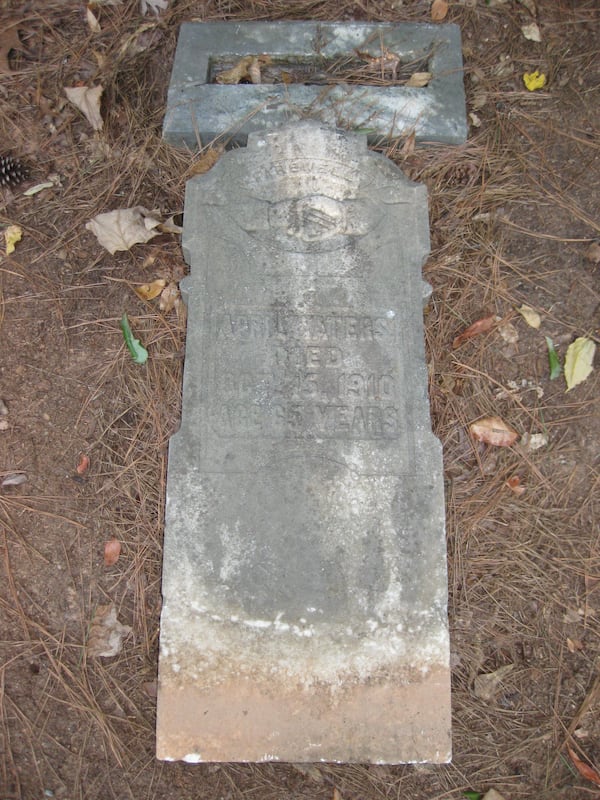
(207, 160)
(14, 479)
(169, 298)
(593, 253)
(9, 40)
(148, 291)
(83, 464)
(153, 5)
(530, 6)
(146, 36)
(532, 32)
(151, 688)
(481, 326)
(534, 441)
(385, 62)
(591, 582)
(419, 79)
(106, 633)
(87, 100)
(494, 431)
(112, 551)
(247, 67)
(124, 227)
(170, 226)
(573, 616)
(480, 98)
(254, 71)
(509, 333)
(492, 794)
(514, 484)
(589, 773)
(573, 645)
(92, 21)
(408, 146)
(439, 9)
(486, 686)
(237, 73)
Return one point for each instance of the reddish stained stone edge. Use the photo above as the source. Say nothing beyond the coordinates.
(385, 721)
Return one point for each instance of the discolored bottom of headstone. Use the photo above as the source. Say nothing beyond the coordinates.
(304, 578)
(397, 717)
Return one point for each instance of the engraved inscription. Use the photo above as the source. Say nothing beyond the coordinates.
(280, 374)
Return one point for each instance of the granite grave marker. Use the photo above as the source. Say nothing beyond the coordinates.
(304, 579)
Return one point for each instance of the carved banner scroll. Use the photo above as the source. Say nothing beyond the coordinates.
(304, 580)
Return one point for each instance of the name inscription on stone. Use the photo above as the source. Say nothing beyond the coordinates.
(290, 376)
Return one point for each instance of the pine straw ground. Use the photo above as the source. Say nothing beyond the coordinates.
(513, 213)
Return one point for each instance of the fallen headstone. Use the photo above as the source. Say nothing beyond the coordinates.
(304, 580)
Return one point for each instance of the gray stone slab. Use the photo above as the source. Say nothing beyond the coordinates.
(304, 579)
(197, 107)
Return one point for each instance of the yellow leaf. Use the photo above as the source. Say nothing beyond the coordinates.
(12, 235)
(148, 291)
(534, 80)
(531, 317)
(578, 361)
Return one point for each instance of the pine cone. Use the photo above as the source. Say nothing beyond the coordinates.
(12, 171)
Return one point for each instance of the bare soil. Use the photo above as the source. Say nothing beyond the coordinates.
(513, 214)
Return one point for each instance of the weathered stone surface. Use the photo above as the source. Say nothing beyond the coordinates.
(198, 107)
(304, 578)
